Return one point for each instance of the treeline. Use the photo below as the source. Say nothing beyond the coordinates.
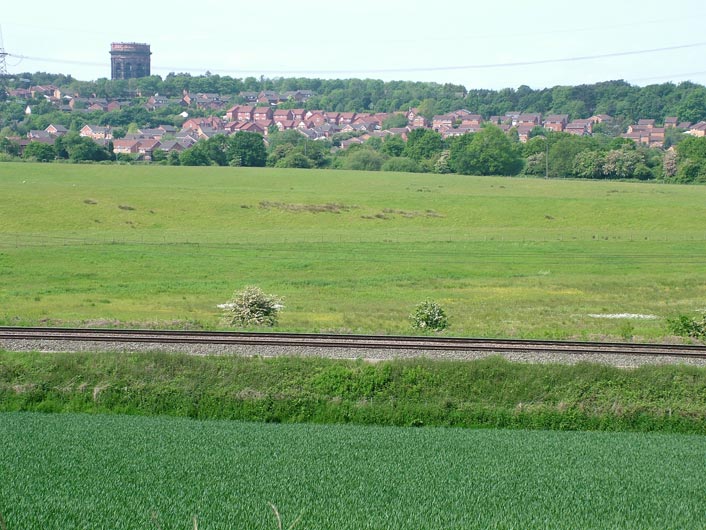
(487, 152)
(626, 102)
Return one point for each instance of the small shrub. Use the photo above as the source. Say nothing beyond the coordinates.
(686, 326)
(251, 307)
(429, 315)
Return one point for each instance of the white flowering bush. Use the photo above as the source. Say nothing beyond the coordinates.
(429, 316)
(251, 307)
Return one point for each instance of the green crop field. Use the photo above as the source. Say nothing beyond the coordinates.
(84, 471)
(348, 251)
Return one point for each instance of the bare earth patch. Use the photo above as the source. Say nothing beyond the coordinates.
(313, 208)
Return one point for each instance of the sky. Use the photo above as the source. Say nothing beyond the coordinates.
(480, 45)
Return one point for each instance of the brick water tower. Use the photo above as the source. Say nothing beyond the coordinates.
(129, 60)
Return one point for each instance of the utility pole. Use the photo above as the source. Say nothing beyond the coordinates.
(3, 69)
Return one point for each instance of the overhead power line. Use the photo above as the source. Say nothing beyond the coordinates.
(479, 66)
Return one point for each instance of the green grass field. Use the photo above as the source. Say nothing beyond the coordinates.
(83, 471)
(349, 251)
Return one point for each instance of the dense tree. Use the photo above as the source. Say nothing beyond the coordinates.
(9, 147)
(401, 164)
(88, 151)
(691, 159)
(393, 146)
(487, 152)
(246, 149)
(39, 151)
(397, 120)
(589, 165)
(196, 155)
(423, 144)
(362, 159)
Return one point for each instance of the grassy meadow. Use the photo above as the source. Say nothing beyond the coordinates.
(95, 471)
(348, 251)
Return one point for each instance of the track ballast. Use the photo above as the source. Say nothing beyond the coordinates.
(373, 347)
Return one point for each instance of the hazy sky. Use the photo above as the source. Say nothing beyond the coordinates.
(489, 44)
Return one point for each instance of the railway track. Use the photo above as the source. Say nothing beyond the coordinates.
(357, 345)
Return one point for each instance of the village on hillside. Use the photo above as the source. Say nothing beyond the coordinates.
(260, 114)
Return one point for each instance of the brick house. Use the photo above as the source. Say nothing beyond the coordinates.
(698, 129)
(556, 122)
(347, 117)
(442, 121)
(283, 115)
(524, 130)
(246, 113)
(125, 146)
(262, 113)
(419, 122)
(579, 128)
(96, 132)
(533, 119)
(232, 113)
(285, 125)
(56, 130)
(298, 114)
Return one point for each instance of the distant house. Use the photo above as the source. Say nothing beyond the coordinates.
(262, 113)
(282, 115)
(97, 132)
(151, 133)
(529, 119)
(471, 119)
(168, 129)
(347, 117)
(125, 146)
(56, 130)
(300, 96)
(400, 131)
(316, 119)
(601, 118)
(245, 113)
(556, 122)
(147, 147)
(232, 113)
(698, 129)
(333, 117)
(250, 97)
(442, 121)
(212, 122)
(171, 145)
(511, 117)
(345, 144)
(641, 137)
(579, 127)
(298, 114)
(252, 127)
(270, 97)
(524, 130)
(39, 135)
(657, 137)
(285, 125)
(419, 122)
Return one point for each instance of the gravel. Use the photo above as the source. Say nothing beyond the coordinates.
(368, 354)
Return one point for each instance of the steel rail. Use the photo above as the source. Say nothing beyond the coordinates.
(376, 342)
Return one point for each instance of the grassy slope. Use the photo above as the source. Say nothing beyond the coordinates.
(488, 393)
(118, 471)
(509, 257)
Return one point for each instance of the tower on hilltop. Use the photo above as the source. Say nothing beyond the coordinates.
(129, 60)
